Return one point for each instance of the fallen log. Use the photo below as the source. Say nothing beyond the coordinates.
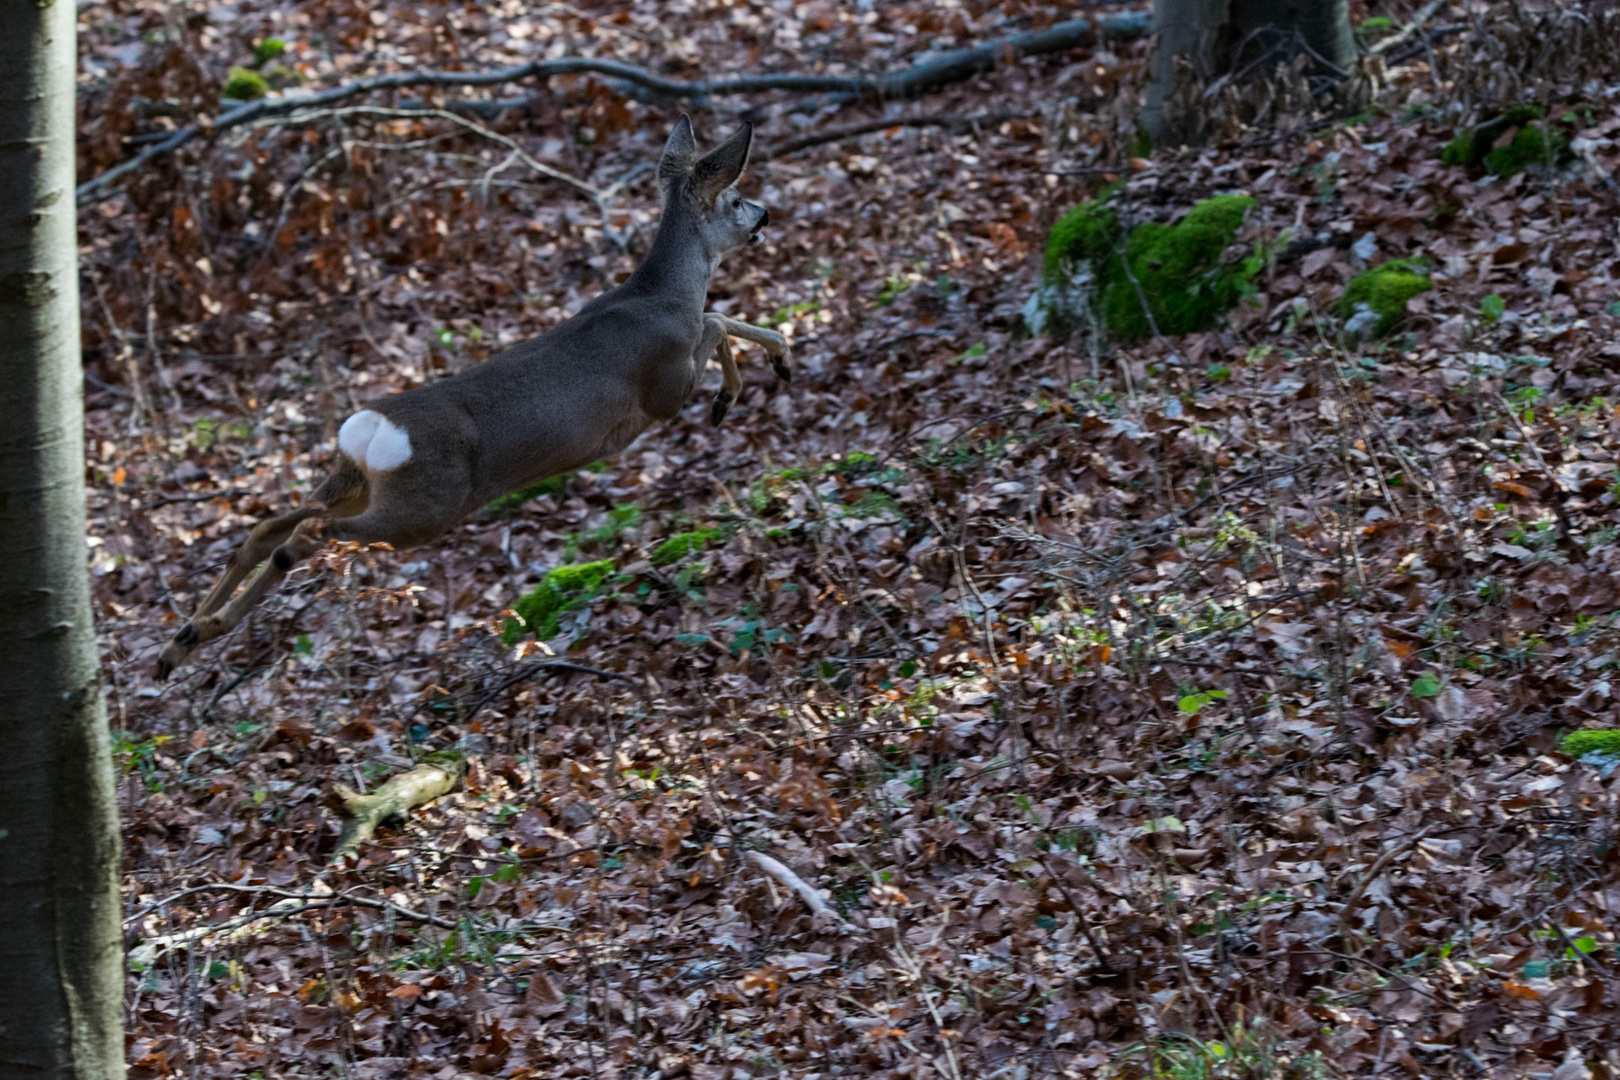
(945, 69)
(397, 797)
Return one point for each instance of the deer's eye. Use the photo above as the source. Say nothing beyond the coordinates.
(736, 203)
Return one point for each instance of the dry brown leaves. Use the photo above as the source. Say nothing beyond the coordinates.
(1239, 659)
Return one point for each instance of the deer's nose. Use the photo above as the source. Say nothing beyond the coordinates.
(764, 218)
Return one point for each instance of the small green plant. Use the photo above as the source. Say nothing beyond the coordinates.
(1368, 28)
(873, 504)
(681, 545)
(245, 84)
(140, 756)
(1425, 686)
(1492, 308)
(620, 520)
(271, 48)
(789, 312)
(1525, 397)
(564, 589)
(1383, 292)
(752, 633)
(893, 286)
(1192, 702)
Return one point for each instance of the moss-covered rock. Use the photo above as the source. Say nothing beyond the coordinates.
(1518, 139)
(244, 84)
(1378, 296)
(683, 544)
(1598, 741)
(566, 588)
(1177, 270)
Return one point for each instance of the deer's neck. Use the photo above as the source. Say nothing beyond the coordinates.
(679, 263)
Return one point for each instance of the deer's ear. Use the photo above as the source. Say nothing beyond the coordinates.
(679, 152)
(720, 167)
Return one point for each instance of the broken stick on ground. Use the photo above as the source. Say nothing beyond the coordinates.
(363, 813)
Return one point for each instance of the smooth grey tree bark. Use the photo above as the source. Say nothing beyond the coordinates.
(1218, 37)
(61, 998)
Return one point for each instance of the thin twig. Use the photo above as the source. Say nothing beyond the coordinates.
(536, 668)
(1379, 865)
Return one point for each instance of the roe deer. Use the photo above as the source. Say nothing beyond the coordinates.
(412, 465)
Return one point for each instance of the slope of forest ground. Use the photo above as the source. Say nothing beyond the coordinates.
(1181, 708)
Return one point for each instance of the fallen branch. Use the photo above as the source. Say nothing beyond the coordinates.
(849, 131)
(943, 70)
(1408, 30)
(807, 892)
(397, 797)
(253, 923)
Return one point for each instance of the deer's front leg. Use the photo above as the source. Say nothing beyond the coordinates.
(730, 381)
(714, 343)
(775, 345)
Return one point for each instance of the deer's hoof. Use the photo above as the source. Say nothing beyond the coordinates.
(783, 366)
(721, 406)
(187, 635)
(173, 656)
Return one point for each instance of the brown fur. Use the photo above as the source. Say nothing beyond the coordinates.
(550, 405)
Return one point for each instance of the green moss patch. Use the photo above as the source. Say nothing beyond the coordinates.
(244, 84)
(271, 48)
(683, 544)
(508, 503)
(567, 588)
(1383, 292)
(1177, 269)
(1578, 744)
(1519, 139)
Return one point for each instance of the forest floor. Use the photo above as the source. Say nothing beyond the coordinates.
(1183, 708)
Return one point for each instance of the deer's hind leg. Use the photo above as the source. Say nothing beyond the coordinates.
(261, 542)
(343, 493)
(221, 613)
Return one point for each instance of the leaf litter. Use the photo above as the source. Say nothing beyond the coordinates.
(1189, 707)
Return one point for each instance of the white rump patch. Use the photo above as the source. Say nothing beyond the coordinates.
(370, 440)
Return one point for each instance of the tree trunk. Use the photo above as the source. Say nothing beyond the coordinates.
(61, 1001)
(1217, 37)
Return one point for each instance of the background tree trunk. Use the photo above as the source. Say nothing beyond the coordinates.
(61, 1001)
(1221, 36)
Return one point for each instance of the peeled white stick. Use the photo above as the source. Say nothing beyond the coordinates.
(807, 892)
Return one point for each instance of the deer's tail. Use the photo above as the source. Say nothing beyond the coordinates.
(345, 491)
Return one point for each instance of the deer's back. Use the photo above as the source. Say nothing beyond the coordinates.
(541, 407)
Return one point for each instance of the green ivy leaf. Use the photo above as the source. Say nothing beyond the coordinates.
(1425, 686)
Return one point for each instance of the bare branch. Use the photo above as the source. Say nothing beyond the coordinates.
(943, 70)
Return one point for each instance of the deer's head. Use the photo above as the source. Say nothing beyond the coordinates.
(706, 188)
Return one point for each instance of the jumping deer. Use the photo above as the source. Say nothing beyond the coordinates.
(412, 465)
